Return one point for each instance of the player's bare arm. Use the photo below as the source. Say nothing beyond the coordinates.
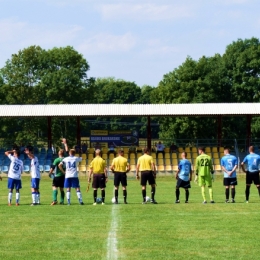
(191, 175)
(127, 168)
(137, 171)
(105, 171)
(231, 172)
(177, 174)
(243, 167)
(61, 168)
(90, 174)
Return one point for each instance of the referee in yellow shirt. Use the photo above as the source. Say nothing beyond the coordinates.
(147, 168)
(120, 167)
(99, 170)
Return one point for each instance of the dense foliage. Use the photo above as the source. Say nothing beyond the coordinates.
(59, 76)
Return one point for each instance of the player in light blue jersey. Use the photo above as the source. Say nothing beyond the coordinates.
(183, 177)
(252, 161)
(229, 166)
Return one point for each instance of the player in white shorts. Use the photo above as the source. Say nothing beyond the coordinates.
(14, 176)
(71, 174)
(35, 177)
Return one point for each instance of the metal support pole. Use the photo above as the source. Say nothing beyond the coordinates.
(78, 132)
(248, 130)
(149, 138)
(219, 131)
(49, 132)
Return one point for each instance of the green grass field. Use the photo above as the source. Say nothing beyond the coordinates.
(133, 231)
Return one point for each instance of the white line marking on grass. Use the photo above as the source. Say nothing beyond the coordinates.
(112, 239)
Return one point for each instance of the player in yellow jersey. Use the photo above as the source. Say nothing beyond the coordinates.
(99, 170)
(120, 167)
(147, 168)
(205, 173)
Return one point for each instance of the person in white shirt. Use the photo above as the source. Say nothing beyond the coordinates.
(35, 177)
(71, 174)
(159, 149)
(14, 175)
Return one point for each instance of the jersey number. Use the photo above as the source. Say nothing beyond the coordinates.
(72, 165)
(16, 167)
(204, 162)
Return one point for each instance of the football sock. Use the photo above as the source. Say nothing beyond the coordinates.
(103, 195)
(177, 194)
(68, 197)
(125, 195)
(116, 195)
(210, 193)
(17, 196)
(95, 196)
(38, 197)
(247, 192)
(153, 193)
(10, 195)
(227, 193)
(62, 195)
(79, 196)
(54, 195)
(144, 195)
(187, 194)
(203, 193)
(258, 190)
(34, 197)
(233, 193)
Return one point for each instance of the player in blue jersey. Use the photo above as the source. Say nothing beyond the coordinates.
(252, 161)
(229, 165)
(183, 177)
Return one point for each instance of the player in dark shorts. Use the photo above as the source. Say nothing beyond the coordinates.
(183, 177)
(58, 180)
(99, 171)
(252, 173)
(120, 167)
(147, 168)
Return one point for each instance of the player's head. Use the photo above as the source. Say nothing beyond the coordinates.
(251, 149)
(16, 153)
(201, 150)
(98, 151)
(72, 152)
(183, 155)
(61, 153)
(226, 150)
(121, 152)
(146, 150)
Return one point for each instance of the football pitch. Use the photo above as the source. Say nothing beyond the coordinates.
(132, 231)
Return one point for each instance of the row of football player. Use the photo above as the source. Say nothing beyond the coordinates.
(204, 174)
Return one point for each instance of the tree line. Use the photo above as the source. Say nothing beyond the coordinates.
(59, 76)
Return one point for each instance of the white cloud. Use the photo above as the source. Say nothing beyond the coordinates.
(105, 42)
(145, 11)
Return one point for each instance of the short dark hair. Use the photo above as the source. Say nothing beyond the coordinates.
(227, 148)
(146, 150)
(121, 151)
(17, 152)
(185, 154)
(201, 148)
(251, 148)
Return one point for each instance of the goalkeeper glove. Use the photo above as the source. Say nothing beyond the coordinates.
(196, 179)
(212, 176)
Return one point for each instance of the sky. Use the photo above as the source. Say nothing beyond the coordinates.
(134, 40)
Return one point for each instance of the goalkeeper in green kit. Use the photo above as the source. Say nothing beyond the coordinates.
(204, 173)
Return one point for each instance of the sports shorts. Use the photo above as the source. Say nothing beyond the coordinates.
(99, 181)
(183, 184)
(35, 183)
(120, 177)
(252, 177)
(71, 182)
(13, 183)
(230, 181)
(205, 181)
(147, 176)
(58, 181)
